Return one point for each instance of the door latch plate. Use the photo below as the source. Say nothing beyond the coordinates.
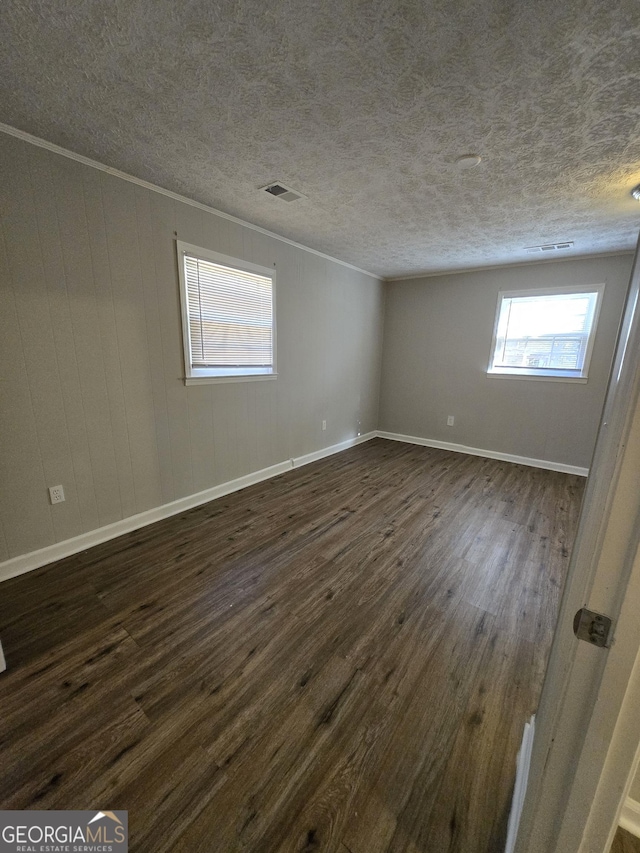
(592, 627)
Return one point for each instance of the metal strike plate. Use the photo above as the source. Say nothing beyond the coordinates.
(592, 627)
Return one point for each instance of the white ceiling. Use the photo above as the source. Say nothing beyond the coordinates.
(361, 105)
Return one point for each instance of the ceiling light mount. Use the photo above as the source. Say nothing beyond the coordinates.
(635, 192)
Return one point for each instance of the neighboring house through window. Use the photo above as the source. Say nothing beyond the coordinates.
(228, 317)
(546, 333)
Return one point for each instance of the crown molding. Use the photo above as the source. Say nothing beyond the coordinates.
(87, 161)
(439, 273)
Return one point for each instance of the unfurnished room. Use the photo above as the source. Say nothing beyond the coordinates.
(319, 426)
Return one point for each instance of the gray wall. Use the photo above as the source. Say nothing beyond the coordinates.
(437, 340)
(91, 394)
(91, 356)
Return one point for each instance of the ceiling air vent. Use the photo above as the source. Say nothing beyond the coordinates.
(281, 191)
(549, 247)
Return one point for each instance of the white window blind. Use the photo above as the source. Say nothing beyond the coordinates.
(545, 333)
(229, 322)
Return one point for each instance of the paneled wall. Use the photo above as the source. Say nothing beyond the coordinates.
(91, 390)
(437, 342)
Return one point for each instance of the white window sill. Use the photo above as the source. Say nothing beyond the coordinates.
(210, 380)
(506, 373)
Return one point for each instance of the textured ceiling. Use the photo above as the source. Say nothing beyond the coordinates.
(361, 105)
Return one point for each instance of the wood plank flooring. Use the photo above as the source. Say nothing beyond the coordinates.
(340, 659)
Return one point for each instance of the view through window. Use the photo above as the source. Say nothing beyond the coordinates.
(545, 333)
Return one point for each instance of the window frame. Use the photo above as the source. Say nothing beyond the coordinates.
(542, 374)
(209, 375)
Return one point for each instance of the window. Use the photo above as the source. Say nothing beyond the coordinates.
(546, 333)
(228, 317)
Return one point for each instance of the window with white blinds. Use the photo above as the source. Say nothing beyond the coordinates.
(546, 333)
(228, 316)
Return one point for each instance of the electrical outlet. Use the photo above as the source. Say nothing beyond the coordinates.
(324, 424)
(56, 494)
(450, 420)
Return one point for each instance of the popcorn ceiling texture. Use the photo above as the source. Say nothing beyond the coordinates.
(361, 105)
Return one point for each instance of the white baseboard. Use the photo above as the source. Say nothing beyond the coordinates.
(35, 559)
(489, 454)
(520, 788)
(51, 553)
(630, 817)
(329, 451)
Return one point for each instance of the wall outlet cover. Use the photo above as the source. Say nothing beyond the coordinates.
(56, 494)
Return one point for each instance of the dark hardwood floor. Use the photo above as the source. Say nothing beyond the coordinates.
(339, 659)
(624, 842)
